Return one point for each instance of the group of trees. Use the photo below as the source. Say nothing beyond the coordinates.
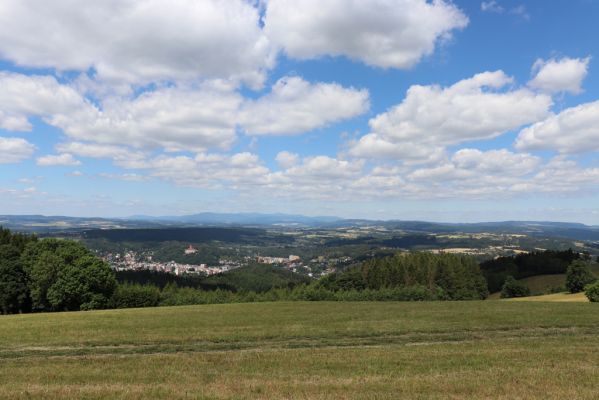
(458, 277)
(524, 265)
(513, 288)
(51, 275)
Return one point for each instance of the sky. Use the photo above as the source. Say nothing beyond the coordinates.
(456, 111)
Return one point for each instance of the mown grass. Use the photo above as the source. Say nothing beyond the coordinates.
(306, 350)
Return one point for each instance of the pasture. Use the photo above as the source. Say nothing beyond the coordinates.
(302, 350)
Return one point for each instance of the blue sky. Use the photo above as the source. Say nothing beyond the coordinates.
(393, 109)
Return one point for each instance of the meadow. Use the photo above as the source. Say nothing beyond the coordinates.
(306, 350)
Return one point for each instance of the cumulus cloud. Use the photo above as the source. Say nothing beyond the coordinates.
(171, 118)
(122, 156)
(563, 75)
(295, 106)
(474, 163)
(130, 177)
(58, 160)
(237, 171)
(138, 41)
(382, 33)
(23, 96)
(286, 159)
(14, 150)
(432, 117)
(574, 130)
(178, 118)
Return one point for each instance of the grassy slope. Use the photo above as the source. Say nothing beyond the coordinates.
(559, 297)
(306, 350)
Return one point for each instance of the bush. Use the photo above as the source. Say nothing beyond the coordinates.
(578, 276)
(133, 296)
(592, 292)
(512, 288)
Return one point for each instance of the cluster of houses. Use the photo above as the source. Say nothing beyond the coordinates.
(132, 261)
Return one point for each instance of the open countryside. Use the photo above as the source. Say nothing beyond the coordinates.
(299, 199)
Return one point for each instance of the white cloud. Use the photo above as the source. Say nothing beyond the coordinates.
(286, 159)
(318, 167)
(563, 75)
(75, 174)
(56, 160)
(565, 176)
(176, 118)
(122, 156)
(240, 170)
(296, 106)
(479, 165)
(14, 150)
(138, 41)
(382, 33)
(574, 130)
(520, 11)
(131, 177)
(491, 6)
(432, 117)
(22, 96)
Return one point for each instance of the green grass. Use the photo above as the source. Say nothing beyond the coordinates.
(306, 350)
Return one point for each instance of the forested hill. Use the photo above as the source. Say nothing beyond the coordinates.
(192, 235)
(254, 278)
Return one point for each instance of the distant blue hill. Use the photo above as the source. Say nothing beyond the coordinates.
(242, 219)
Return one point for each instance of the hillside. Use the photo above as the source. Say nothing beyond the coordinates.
(256, 278)
(459, 350)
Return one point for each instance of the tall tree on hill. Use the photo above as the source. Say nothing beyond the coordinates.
(14, 294)
(578, 276)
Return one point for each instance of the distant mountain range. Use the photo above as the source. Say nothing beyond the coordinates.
(241, 219)
(52, 224)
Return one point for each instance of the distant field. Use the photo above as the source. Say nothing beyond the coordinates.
(460, 350)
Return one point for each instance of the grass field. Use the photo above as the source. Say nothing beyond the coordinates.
(460, 350)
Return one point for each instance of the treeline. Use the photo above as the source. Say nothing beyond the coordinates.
(524, 265)
(128, 295)
(51, 275)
